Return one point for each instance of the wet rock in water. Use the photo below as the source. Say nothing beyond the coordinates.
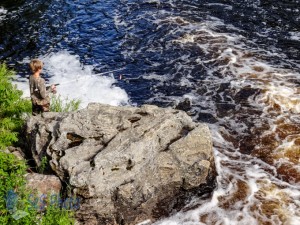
(128, 164)
(184, 105)
(225, 109)
(202, 90)
(245, 93)
(207, 118)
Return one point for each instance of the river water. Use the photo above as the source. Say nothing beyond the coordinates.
(236, 62)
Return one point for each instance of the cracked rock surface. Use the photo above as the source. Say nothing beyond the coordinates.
(128, 164)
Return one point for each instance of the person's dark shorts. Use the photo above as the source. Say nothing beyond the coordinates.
(38, 109)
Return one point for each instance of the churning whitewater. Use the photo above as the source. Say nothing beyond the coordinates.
(77, 81)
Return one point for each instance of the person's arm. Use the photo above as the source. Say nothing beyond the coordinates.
(30, 87)
(42, 88)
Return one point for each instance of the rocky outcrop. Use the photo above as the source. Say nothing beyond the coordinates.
(128, 164)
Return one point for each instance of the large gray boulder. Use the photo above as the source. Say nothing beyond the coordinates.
(128, 164)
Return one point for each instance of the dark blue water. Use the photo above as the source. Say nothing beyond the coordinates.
(236, 62)
(88, 29)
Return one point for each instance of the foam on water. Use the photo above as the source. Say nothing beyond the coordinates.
(78, 81)
(3, 12)
(250, 190)
(295, 36)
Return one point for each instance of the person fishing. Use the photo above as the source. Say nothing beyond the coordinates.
(38, 92)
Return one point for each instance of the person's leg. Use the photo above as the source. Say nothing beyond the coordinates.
(35, 109)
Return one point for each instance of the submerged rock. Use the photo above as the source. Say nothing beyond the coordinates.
(184, 105)
(128, 164)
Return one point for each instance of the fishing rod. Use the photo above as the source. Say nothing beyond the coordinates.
(78, 78)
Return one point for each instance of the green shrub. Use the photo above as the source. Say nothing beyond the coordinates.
(13, 201)
(57, 216)
(12, 173)
(11, 103)
(12, 108)
(44, 165)
(58, 104)
(15, 206)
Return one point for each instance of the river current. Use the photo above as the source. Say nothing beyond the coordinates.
(236, 62)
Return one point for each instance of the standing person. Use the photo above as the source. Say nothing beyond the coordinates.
(39, 95)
